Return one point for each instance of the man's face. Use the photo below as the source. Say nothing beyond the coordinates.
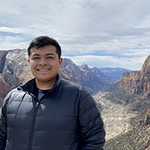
(44, 64)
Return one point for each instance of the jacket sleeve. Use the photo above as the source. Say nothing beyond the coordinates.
(91, 124)
(3, 124)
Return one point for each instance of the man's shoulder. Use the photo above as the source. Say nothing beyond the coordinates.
(13, 91)
(70, 84)
(11, 95)
(73, 86)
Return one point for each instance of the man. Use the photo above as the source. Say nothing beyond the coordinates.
(47, 112)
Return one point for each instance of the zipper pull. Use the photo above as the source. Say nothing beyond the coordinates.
(37, 104)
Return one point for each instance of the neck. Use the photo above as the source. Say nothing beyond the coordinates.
(45, 85)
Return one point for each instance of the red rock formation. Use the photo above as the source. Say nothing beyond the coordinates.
(137, 82)
(146, 66)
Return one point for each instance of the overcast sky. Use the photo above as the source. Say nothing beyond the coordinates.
(101, 33)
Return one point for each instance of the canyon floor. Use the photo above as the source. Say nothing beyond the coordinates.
(116, 117)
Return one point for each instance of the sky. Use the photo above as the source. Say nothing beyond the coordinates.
(99, 33)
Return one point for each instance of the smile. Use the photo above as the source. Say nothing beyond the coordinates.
(43, 70)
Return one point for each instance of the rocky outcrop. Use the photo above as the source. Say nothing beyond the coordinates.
(146, 66)
(147, 118)
(73, 70)
(137, 82)
(16, 70)
(4, 88)
(2, 59)
(83, 75)
(64, 74)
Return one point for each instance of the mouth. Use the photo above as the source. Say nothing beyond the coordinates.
(43, 69)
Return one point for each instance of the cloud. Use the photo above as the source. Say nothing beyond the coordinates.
(105, 61)
(101, 28)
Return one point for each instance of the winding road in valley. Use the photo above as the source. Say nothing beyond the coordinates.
(116, 117)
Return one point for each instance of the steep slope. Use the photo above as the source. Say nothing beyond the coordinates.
(137, 82)
(138, 138)
(16, 70)
(4, 88)
(83, 75)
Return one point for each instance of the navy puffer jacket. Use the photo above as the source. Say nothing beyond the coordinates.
(66, 118)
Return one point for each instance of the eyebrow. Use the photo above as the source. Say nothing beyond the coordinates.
(39, 54)
(50, 54)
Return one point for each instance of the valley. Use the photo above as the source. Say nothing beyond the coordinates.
(116, 117)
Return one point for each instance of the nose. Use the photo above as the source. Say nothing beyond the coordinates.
(42, 61)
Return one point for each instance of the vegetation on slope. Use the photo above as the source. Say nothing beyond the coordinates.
(136, 139)
(122, 97)
(110, 87)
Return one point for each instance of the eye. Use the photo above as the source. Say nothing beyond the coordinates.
(35, 58)
(49, 57)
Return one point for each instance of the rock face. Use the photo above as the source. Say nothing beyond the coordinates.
(16, 70)
(64, 74)
(73, 70)
(146, 66)
(137, 82)
(4, 88)
(2, 60)
(147, 118)
(83, 75)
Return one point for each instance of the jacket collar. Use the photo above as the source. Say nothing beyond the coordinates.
(30, 85)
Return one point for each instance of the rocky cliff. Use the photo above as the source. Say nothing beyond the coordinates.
(137, 82)
(147, 118)
(4, 88)
(83, 75)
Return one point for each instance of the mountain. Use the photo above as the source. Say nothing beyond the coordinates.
(4, 88)
(114, 72)
(14, 70)
(134, 88)
(100, 74)
(137, 82)
(83, 75)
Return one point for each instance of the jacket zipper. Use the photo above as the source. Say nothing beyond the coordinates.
(37, 104)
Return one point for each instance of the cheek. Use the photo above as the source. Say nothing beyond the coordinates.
(32, 64)
(57, 65)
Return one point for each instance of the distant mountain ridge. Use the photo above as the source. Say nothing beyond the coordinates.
(103, 76)
(114, 72)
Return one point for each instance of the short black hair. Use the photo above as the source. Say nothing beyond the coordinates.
(42, 41)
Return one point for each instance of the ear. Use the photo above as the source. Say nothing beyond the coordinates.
(60, 61)
(29, 61)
